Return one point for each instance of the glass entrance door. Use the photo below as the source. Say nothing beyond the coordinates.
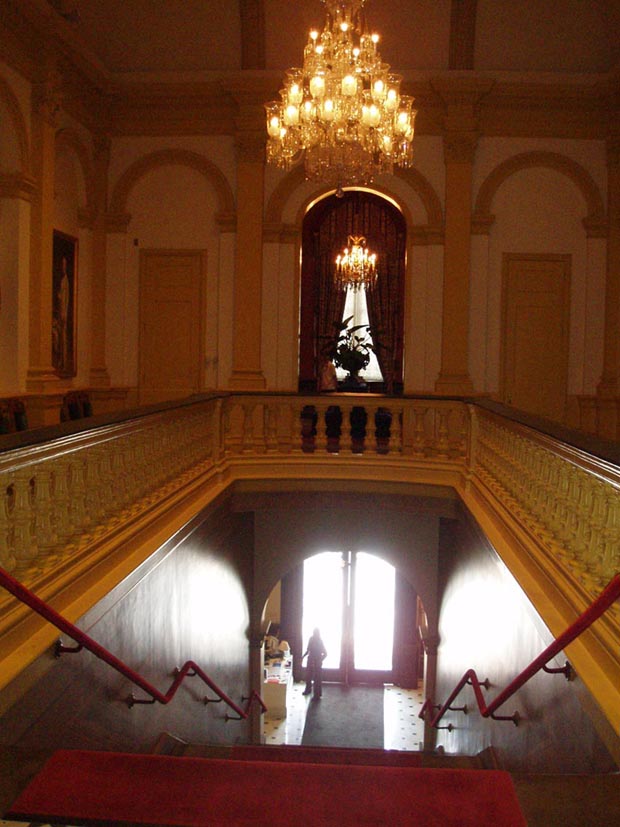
(350, 597)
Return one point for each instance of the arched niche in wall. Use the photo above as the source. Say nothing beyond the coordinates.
(74, 198)
(14, 144)
(326, 227)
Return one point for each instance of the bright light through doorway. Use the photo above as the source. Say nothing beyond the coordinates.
(323, 603)
(368, 610)
(373, 615)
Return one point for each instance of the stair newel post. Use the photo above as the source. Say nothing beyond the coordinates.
(256, 679)
(431, 644)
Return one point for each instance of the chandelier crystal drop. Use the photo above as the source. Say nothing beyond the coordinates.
(343, 110)
(356, 268)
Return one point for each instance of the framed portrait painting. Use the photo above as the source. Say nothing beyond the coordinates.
(64, 264)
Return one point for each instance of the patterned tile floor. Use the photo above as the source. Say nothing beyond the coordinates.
(402, 728)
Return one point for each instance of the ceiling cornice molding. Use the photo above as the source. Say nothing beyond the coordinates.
(518, 105)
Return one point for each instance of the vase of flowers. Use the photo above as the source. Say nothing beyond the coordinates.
(350, 348)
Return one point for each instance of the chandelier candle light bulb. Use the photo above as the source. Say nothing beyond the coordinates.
(342, 111)
(356, 267)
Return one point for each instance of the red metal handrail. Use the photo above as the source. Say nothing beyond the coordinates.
(84, 641)
(604, 601)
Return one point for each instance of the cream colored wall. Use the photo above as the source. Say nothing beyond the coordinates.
(14, 277)
(14, 237)
(538, 210)
(172, 206)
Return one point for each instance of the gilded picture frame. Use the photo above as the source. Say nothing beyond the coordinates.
(64, 288)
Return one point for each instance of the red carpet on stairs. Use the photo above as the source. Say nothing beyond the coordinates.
(104, 788)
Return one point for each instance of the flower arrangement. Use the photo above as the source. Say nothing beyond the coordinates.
(350, 347)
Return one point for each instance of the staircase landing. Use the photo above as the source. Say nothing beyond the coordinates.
(77, 787)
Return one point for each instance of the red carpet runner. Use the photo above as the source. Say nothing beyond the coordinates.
(76, 788)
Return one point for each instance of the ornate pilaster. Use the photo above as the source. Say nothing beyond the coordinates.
(247, 310)
(609, 386)
(99, 376)
(47, 97)
(461, 100)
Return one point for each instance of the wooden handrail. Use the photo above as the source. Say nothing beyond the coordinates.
(84, 641)
(604, 601)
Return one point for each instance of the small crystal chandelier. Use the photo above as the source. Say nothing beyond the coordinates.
(356, 268)
(343, 110)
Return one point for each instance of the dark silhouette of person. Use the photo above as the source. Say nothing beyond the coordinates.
(316, 653)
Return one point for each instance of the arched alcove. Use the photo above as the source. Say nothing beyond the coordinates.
(342, 594)
(15, 143)
(326, 227)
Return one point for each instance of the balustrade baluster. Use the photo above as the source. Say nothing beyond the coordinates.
(395, 444)
(346, 438)
(77, 493)
(297, 427)
(62, 510)
(443, 434)
(247, 427)
(419, 432)
(610, 557)
(46, 535)
(24, 540)
(320, 441)
(232, 436)
(270, 426)
(7, 548)
(371, 443)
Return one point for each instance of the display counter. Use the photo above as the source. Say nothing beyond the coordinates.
(276, 685)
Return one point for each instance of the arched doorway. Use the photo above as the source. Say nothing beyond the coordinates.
(326, 227)
(370, 637)
(350, 596)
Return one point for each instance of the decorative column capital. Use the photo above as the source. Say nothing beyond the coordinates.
(17, 185)
(461, 98)
(250, 136)
(250, 146)
(47, 96)
(226, 221)
(460, 147)
(117, 222)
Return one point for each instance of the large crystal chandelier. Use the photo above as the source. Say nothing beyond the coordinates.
(343, 109)
(356, 268)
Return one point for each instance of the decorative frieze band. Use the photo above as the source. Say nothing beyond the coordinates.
(281, 234)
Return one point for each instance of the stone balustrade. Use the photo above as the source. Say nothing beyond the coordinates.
(568, 500)
(60, 497)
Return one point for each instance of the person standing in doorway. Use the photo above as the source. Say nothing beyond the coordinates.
(316, 653)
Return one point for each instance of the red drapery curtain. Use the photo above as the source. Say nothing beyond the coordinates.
(326, 228)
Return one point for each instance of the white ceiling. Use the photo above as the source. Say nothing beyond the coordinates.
(203, 36)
